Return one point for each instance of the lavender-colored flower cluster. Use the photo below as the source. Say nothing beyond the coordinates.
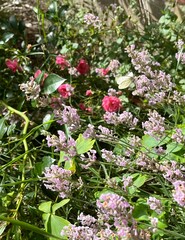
(155, 204)
(112, 92)
(127, 182)
(145, 162)
(78, 232)
(180, 55)
(133, 143)
(179, 192)
(178, 136)
(118, 160)
(91, 19)
(113, 65)
(89, 132)
(31, 89)
(73, 71)
(58, 180)
(68, 116)
(114, 210)
(178, 97)
(154, 85)
(105, 134)
(172, 171)
(61, 143)
(88, 160)
(114, 221)
(125, 118)
(141, 60)
(155, 125)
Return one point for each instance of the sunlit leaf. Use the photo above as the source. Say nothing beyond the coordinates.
(52, 82)
(83, 145)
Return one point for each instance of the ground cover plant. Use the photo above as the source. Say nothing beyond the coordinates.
(92, 127)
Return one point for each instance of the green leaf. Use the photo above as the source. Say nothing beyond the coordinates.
(46, 121)
(3, 127)
(150, 142)
(40, 77)
(29, 227)
(46, 218)
(174, 147)
(104, 191)
(13, 22)
(70, 165)
(83, 145)
(45, 207)
(7, 36)
(52, 82)
(56, 225)
(47, 161)
(3, 226)
(140, 181)
(140, 212)
(59, 205)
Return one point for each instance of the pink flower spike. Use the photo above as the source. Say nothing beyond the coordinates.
(111, 103)
(83, 67)
(61, 60)
(13, 65)
(88, 93)
(65, 90)
(38, 72)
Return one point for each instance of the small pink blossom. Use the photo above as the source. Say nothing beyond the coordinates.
(89, 109)
(88, 93)
(83, 67)
(38, 72)
(111, 103)
(65, 90)
(61, 60)
(82, 106)
(13, 65)
(102, 71)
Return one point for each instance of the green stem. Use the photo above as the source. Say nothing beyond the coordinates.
(24, 132)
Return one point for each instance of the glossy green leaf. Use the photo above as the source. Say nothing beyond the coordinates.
(3, 127)
(45, 207)
(174, 147)
(47, 161)
(52, 82)
(140, 181)
(70, 165)
(56, 225)
(7, 36)
(83, 145)
(46, 121)
(59, 205)
(140, 212)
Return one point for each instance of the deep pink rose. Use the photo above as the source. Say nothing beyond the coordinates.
(65, 90)
(88, 93)
(83, 67)
(13, 65)
(61, 60)
(111, 104)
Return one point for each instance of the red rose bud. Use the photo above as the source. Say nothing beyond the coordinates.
(83, 67)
